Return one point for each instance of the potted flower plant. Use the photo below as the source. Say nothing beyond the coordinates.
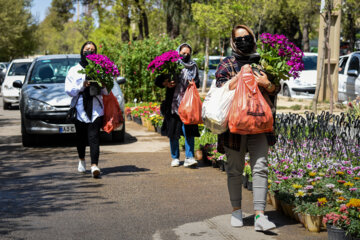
(166, 64)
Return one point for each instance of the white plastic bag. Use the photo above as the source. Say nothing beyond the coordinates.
(216, 106)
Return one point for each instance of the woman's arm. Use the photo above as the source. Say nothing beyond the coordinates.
(74, 83)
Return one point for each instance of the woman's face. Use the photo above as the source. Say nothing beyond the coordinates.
(185, 51)
(89, 48)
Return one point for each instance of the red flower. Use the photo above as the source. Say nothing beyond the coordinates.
(341, 181)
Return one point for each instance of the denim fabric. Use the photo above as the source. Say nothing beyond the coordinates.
(189, 146)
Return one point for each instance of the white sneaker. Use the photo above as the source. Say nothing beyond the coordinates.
(190, 162)
(82, 166)
(236, 218)
(175, 162)
(95, 171)
(263, 223)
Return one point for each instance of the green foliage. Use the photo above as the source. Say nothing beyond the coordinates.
(132, 59)
(296, 107)
(17, 38)
(62, 9)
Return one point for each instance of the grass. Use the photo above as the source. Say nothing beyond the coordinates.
(281, 107)
(296, 107)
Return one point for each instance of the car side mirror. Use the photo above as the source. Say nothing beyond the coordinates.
(353, 73)
(121, 80)
(17, 84)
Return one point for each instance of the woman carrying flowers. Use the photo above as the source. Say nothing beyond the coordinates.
(176, 85)
(243, 45)
(89, 108)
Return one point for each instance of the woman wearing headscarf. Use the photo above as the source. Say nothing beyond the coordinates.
(243, 44)
(172, 126)
(90, 111)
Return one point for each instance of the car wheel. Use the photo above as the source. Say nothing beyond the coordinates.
(118, 136)
(28, 140)
(6, 106)
(286, 91)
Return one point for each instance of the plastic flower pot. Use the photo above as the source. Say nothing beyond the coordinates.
(198, 155)
(158, 129)
(268, 198)
(313, 222)
(245, 181)
(302, 219)
(128, 117)
(137, 120)
(249, 185)
(284, 208)
(336, 233)
(94, 89)
(143, 121)
(296, 216)
(275, 202)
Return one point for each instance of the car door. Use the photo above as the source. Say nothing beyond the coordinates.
(354, 65)
(342, 78)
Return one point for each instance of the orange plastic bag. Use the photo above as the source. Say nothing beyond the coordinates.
(190, 106)
(249, 112)
(113, 117)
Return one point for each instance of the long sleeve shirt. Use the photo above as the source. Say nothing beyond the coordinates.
(74, 85)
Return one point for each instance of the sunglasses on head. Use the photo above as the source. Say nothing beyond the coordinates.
(246, 38)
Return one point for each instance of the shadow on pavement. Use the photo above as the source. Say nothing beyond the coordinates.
(123, 169)
(30, 187)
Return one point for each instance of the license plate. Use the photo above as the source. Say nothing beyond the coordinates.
(67, 129)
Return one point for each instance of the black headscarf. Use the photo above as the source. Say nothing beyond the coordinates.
(87, 99)
(83, 61)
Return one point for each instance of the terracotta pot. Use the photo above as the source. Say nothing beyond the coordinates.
(198, 155)
(275, 202)
(313, 223)
(143, 121)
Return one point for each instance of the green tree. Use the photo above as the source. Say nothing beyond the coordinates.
(63, 10)
(350, 21)
(17, 38)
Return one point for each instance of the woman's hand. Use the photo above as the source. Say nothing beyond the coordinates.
(264, 82)
(86, 83)
(168, 84)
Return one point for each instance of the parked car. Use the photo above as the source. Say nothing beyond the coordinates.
(349, 79)
(3, 68)
(214, 61)
(305, 85)
(17, 71)
(44, 103)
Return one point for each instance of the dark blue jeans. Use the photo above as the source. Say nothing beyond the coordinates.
(189, 146)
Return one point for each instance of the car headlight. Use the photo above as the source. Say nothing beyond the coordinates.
(33, 105)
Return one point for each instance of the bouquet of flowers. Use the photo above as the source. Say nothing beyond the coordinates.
(101, 70)
(279, 57)
(166, 63)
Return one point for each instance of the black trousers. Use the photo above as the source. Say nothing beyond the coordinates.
(89, 133)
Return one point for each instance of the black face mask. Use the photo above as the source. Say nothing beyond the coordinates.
(245, 44)
(185, 57)
(87, 53)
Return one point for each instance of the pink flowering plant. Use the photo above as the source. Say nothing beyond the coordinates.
(279, 57)
(166, 63)
(101, 70)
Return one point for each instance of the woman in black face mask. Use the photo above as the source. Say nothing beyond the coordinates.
(172, 126)
(235, 146)
(89, 108)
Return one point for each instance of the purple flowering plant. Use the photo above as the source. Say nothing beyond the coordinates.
(166, 63)
(101, 70)
(279, 57)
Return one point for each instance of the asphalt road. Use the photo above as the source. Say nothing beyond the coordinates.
(139, 195)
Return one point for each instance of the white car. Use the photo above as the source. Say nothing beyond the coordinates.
(349, 79)
(16, 71)
(214, 61)
(305, 85)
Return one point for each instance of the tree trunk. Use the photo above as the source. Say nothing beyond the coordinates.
(125, 35)
(146, 23)
(352, 32)
(305, 38)
(206, 67)
(328, 25)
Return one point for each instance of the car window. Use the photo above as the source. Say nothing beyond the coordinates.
(19, 69)
(52, 70)
(213, 63)
(310, 62)
(342, 64)
(354, 63)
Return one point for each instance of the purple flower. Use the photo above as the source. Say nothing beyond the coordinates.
(353, 189)
(308, 187)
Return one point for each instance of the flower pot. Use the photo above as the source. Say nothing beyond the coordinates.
(284, 208)
(128, 117)
(313, 223)
(275, 202)
(335, 233)
(143, 121)
(245, 181)
(198, 155)
(296, 216)
(221, 165)
(137, 120)
(249, 185)
(268, 198)
(302, 219)
(94, 89)
(158, 129)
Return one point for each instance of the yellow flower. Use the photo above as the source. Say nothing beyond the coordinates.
(339, 173)
(357, 178)
(312, 174)
(269, 186)
(354, 202)
(321, 174)
(350, 184)
(269, 181)
(313, 183)
(299, 194)
(296, 186)
(322, 201)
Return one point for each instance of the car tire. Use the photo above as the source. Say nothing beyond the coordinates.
(6, 106)
(28, 140)
(286, 91)
(118, 136)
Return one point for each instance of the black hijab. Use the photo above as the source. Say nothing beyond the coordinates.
(83, 62)
(87, 99)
